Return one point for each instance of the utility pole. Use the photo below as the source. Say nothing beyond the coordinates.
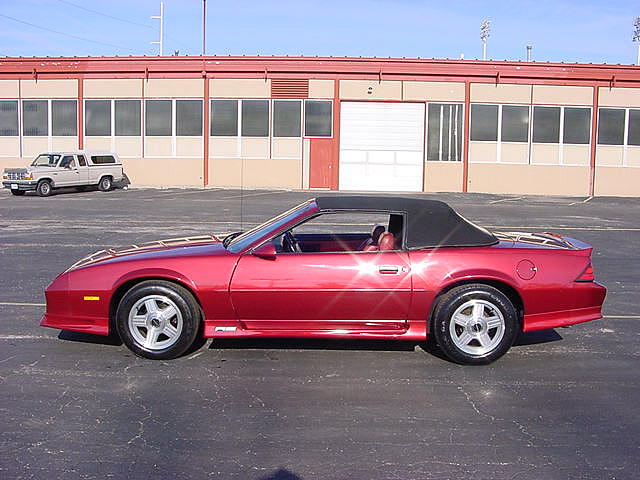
(636, 36)
(161, 18)
(485, 28)
(204, 27)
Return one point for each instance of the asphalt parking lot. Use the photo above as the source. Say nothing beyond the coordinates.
(561, 404)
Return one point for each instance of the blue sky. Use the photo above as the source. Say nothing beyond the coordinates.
(570, 31)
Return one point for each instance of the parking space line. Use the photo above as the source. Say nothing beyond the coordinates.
(502, 200)
(626, 317)
(252, 195)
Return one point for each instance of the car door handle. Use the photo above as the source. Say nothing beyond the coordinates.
(388, 269)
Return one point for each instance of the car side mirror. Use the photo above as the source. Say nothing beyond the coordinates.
(266, 250)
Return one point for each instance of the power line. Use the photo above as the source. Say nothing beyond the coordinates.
(105, 14)
(63, 33)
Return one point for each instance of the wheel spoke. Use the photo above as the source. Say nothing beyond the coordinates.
(168, 313)
(139, 321)
(152, 306)
(478, 311)
(170, 331)
(465, 338)
(493, 322)
(152, 337)
(461, 319)
(484, 339)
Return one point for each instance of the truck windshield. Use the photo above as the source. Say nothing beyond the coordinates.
(48, 160)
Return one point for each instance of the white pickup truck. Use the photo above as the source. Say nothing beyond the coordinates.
(65, 169)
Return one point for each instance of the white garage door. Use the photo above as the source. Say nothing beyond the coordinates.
(381, 146)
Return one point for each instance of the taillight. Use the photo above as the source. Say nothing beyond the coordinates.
(587, 275)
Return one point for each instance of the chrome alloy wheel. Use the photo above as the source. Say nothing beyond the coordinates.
(155, 322)
(477, 327)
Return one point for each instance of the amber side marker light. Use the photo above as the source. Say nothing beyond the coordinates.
(587, 275)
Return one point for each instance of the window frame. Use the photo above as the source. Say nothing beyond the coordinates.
(173, 137)
(113, 137)
(625, 139)
(304, 113)
(273, 118)
(426, 136)
(18, 117)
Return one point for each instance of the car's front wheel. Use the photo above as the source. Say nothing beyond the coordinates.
(44, 188)
(475, 324)
(157, 319)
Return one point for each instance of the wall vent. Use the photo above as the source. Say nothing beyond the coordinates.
(289, 88)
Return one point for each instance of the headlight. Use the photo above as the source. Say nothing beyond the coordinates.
(5, 176)
(28, 176)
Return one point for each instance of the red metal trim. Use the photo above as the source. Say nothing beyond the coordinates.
(465, 146)
(594, 140)
(335, 161)
(207, 110)
(80, 113)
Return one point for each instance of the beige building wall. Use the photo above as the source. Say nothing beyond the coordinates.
(370, 90)
(286, 148)
(239, 88)
(64, 143)
(224, 147)
(619, 97)
(609, 155)
(49, 88)
(621, 181)
(113, 88)
(9, 88)
(500, 93)
(128, 146)
(321, 88)
(255, 173)
(529, 179)
(514, 152)
(174, 87)
(483, 152)
(443, 177)
(97, 143)
(189, 147)
(9, 146)
(562, 95)
(164, 171)
(255, 147)
(633, 156)
(433, 91)
(545, 154)
(576, 154)
(12, 162)
(32, 146)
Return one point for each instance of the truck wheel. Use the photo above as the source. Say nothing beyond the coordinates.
(18, 193)
(44, 188)
(104, 185)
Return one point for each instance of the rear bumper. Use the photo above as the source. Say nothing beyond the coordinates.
(592, 294)
(25, 185)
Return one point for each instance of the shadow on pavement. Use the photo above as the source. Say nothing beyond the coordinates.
(281, 474)
(89, 338)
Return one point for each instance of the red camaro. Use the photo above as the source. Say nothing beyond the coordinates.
(335, 267)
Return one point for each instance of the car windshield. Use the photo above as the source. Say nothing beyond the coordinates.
(46, 160)
(269, 227)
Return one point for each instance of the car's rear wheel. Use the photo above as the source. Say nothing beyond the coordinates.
(105, 184)
(18, 193)
(157, 319)
(475, 324)
(44, 188)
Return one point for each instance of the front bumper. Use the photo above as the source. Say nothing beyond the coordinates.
(25, 185)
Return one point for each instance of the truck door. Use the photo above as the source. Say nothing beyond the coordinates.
(84, 169)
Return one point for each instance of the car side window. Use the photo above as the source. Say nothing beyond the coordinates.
(68, 162)
(82, 161)
(341, 232)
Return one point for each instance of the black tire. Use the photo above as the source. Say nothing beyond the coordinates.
(44, 188)
(148, 332)
(105, 184)
(18, 193)
(486, 324)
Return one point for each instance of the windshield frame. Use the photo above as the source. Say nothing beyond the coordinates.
(56, 156)
(257, 235)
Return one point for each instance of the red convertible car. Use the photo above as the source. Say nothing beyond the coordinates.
(335, 267)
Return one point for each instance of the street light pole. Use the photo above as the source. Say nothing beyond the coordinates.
(161, 18)
(204, 27)
(636, 36)
(485, 28)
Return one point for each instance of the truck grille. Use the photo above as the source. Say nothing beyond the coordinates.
(16, 176)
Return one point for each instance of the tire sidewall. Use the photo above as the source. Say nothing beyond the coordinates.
(44, 188)
(184, 301)
(105, 184)
(451, 301)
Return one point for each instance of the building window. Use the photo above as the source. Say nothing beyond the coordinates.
(64, 118)
(318, 118)
(515, 123)
(127, 115)
(286, 118)
(188, 118)
(224, 118)
(35, 114)
(546, 124)
(255, 118)
(611, 126)
(158, 118)
(8, 119)
(484, 123)
(444, 132)
(97, 118)
(633, 135)
(576, 125)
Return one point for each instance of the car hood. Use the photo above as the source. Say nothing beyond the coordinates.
(168, 245)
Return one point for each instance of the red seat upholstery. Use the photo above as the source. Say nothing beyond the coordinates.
(387, 241)
(371, 248)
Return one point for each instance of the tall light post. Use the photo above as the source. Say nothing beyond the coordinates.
(161, 18)
(485, 28)
(636, 36)
(204, 27)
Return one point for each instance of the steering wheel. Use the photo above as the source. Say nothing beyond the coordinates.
(289, 243)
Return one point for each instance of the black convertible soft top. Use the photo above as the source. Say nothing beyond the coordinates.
(429, 223)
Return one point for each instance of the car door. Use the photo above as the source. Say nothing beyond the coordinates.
(67, 173)
(83, 170)
(340, 291)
